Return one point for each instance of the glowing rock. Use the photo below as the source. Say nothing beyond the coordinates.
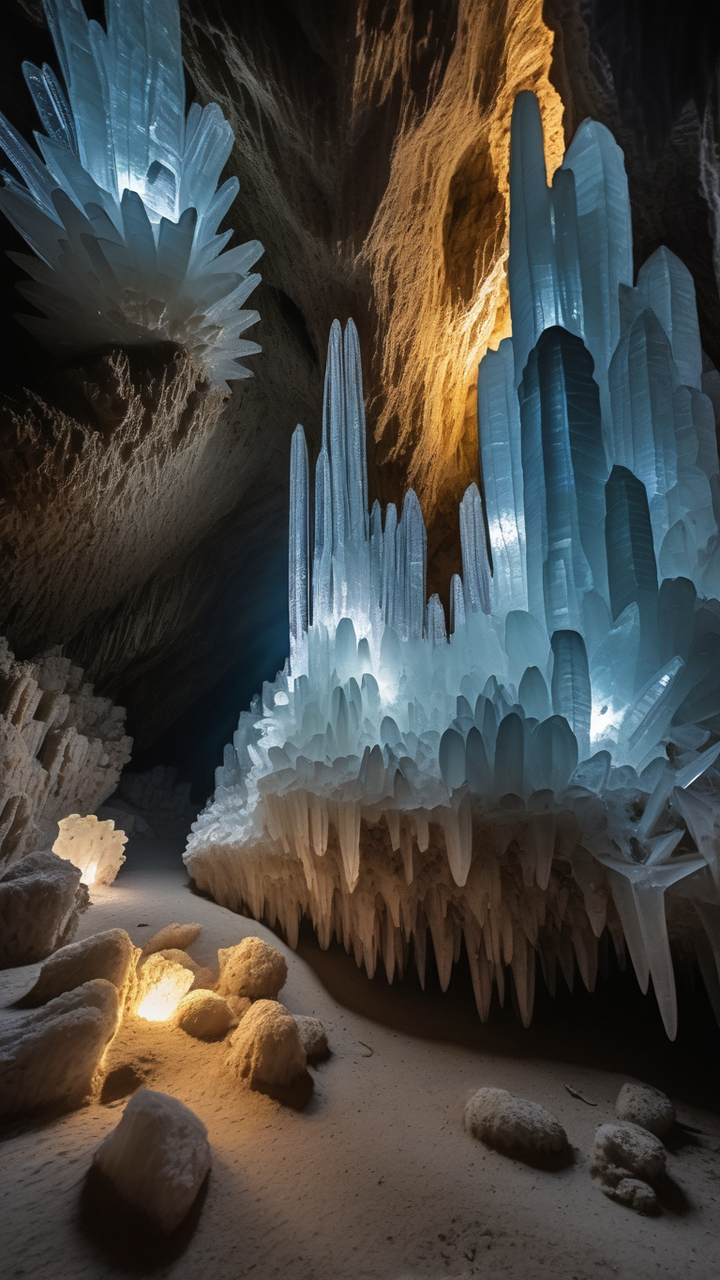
(157, 1158)
(162, 985)
(95, 847)
(122, 211)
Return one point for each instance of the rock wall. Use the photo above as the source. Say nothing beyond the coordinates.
(61, 749)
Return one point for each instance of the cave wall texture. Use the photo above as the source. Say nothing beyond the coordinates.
(142, 518)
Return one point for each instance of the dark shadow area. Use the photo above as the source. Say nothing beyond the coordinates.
(671, 1197)
(296, 1095)
(126, 1236)
(120, 1083)
(615, 1028)
(548, 1161)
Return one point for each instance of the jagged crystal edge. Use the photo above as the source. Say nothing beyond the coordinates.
(123, 209)
(543, 774)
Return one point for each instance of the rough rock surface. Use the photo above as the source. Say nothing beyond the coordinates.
(239, 1006)
(625, 1159)
(172, 937)
(40, 900)
(203, 1014)
(266, 1049)
(48, 1059)
(516, 1127)
(61, 749)
(93, 846)
(157, 1158)
(109, 955)
(642, 1104)
(628, 1147)
(313, 1036)
(252, 968)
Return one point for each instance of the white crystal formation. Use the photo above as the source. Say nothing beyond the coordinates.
(543, 768)
(157, 1158)
(121, 207)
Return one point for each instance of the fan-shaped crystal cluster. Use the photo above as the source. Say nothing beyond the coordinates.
(543, 779)
(124, 212)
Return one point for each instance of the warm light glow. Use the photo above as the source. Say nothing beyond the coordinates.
(162, 987)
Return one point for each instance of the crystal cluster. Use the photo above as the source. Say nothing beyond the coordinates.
(540, 777)
(123, 209)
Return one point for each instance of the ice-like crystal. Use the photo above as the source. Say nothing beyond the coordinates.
(545, 768)
(123, 209)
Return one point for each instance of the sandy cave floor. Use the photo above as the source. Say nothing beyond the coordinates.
(376, 1179)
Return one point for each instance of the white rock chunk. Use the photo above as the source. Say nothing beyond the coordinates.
(40, 901)
(95, 847)
(313, 1036)
(173, 936)
(110, 955)
(516, 1127)
(157, 1158)
(625, 1159)
(49, 1059)
(267, 1049)
(650, 1108)
(203, 1014)
(252, 968)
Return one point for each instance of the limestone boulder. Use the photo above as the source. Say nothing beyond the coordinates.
(49, 1059)
(157, 1158)
(110, 955)
(648, 1107)
(204, 1015)
(626, 1159)
(517, 1127)
(173, 937)
(313, 1036)
(266, 1049)
(253, 968)
(630, 1148)
(41, 899)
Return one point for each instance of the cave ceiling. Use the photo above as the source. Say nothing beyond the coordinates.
(142, 517)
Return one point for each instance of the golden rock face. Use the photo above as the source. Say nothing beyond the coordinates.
(373, 154)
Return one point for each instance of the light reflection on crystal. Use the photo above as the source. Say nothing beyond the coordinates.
(123, 214)
(540, 770)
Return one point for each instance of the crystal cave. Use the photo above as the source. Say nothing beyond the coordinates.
(543, 768)
(413, 971)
